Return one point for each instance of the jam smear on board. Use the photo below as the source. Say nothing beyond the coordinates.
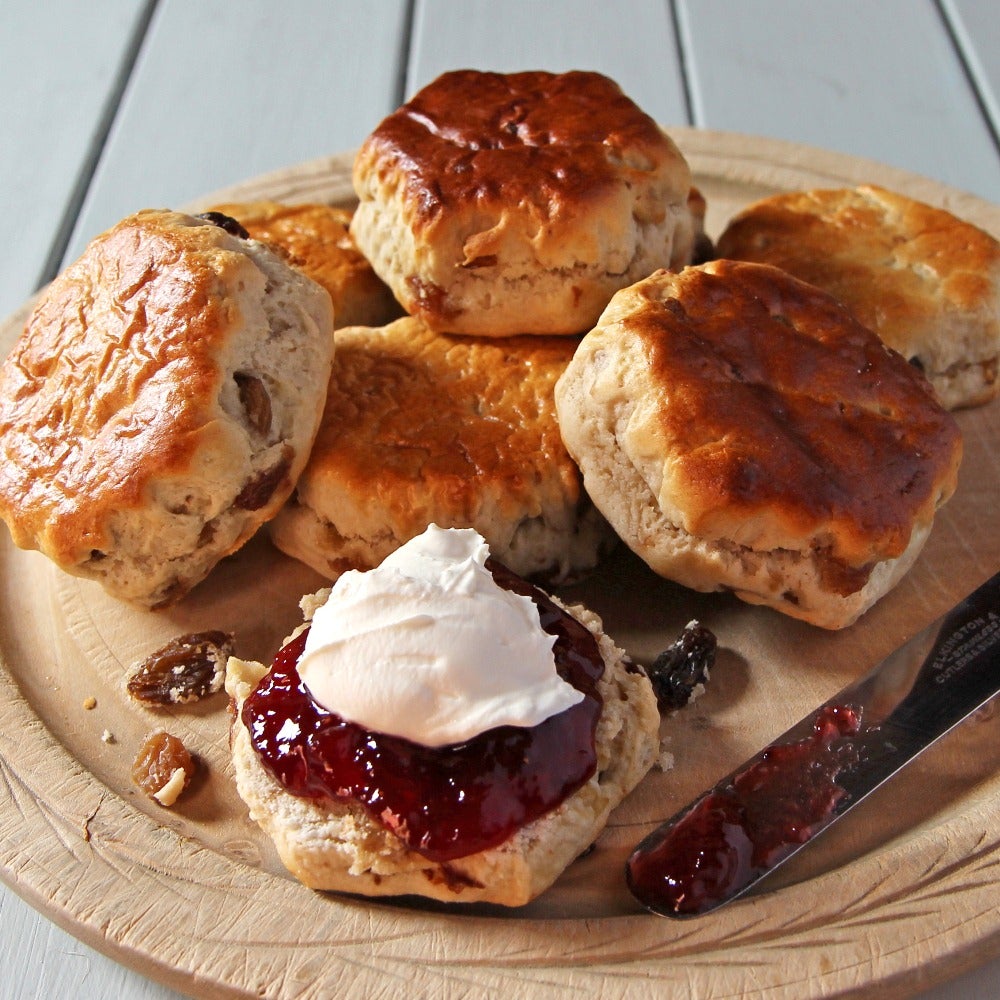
(443, 802)
(744, 827)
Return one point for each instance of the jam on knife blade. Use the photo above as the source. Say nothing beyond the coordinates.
(715, 849)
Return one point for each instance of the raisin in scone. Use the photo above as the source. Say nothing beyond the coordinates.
(741, 430)
(925, 281)
(501, 204)
(493, 812)
(317, 239)
(422, 427)
(160, 403)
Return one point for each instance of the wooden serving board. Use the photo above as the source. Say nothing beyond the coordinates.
(898, 896)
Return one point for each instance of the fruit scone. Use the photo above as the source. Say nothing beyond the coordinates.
(497, 204)
(926, 282)
(316, 237)
(160, 403)
(423, 427)
(742, 431)
(439, 727)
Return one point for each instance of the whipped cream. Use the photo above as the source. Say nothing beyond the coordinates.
(429, 648)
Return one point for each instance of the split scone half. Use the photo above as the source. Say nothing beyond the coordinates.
(925, 281)
(317, 240)
(160, 403)
(421, 428)
(741, 430)
(334, 844)
(501, 204)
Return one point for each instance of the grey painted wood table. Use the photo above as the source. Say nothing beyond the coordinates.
(114, 105)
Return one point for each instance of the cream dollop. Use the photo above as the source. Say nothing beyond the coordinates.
(429, 648)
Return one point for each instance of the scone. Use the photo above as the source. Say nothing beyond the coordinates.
(741, 430)
(160, 403)
(926, 282)
(422, 428)
(331, 840)
(500, 204)
(317, 239)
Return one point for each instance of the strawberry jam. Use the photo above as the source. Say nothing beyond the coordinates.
(443, 802)
(747, 824)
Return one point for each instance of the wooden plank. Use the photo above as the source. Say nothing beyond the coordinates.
(59, 69)
(882, 81)
(634, 44)
(41, 960)
(222, 92)
(976, 27)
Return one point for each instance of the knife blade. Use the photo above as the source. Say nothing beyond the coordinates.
(766, 810)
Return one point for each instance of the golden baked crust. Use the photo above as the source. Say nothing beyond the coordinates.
(160, 403)
(501, 204)
(334, 845)
(422, 427)
(317, 239)
(740, 429)
(926, 282)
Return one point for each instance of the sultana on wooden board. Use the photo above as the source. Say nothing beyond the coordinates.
(898, 896)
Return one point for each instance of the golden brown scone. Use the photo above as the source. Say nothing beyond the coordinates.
(160, 403)
(926, 282)
(742, 431)
(334, 845)
(421, 427)
(501, 204)
(317, 239)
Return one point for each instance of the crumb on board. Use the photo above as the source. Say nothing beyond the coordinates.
(666, 760)
(90, 703)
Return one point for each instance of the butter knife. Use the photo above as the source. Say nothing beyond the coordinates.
(771, 806)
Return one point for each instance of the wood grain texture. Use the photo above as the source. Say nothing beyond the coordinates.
(893, 900)
(637, 48)
(60, 67)
(202, 109)
(875, 80)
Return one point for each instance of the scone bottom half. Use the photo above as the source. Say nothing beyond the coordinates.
(161, 403)
(343, 843)
(742, 431)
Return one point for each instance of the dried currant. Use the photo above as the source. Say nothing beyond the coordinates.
(185, 669)
(259, 490)
(163, 767)
(255, 401)
(681, 667)
(226, 222)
